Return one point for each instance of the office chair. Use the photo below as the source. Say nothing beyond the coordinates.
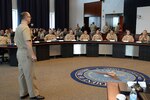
(2, 56)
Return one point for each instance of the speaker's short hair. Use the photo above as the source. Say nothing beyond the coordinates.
(145, 31)
(23, 14)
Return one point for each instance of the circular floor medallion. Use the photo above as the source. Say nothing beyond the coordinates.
(98, 76)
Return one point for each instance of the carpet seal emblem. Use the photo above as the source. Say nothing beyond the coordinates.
(100, 75)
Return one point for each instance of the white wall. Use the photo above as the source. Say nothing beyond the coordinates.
(76, 12)
(76, 9)
(143, 20)
(111, 7)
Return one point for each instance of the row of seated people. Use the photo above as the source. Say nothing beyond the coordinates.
(39, 33)
(72, 36)
(111, 36)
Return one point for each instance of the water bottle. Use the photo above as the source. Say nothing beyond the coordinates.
(133, 94)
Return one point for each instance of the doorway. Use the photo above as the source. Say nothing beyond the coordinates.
(92, 13)
(89, 20)
(114, 19)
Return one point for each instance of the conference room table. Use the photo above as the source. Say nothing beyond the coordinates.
(64, 49)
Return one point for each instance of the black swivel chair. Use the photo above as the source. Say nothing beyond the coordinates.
(2, 56)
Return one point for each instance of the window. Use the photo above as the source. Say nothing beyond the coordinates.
(14, 19)
(115, 21)
(52, 20)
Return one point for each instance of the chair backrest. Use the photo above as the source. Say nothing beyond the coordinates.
(136, 37)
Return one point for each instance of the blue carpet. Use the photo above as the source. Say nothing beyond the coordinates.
(99, 75)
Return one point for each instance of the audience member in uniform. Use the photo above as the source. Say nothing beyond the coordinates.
(84, 36)
(2, 32)
(35, 35)
(50, 36)
(7, 33)
(41, 33)
(54, 30)
(118, 28)
(58, 33)
(64, 32)
(78, 31)
(93, 28)
(111, 36)
(106, 28)
(144, 37)
(12, 35)
(128, 37)
(97, 36)
(70, 36)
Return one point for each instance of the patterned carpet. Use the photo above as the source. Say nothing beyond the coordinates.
(98, 76)
(54, 79)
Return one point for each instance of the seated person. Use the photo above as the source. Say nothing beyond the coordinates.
(97, 36)
(70, 36)
(144, 37)
(84, 36)
(58, 33)
(41, 33)
(34, 34)
(50, 36)
(4, 40)
(111, 36)
(7, 33)
(65, 32)
(128, 37)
